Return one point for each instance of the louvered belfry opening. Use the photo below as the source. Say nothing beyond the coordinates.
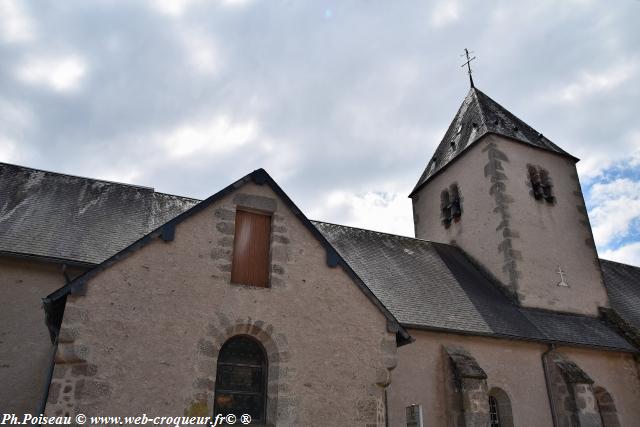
(251, 249)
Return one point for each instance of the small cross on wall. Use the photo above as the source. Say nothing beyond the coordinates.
(562, 274)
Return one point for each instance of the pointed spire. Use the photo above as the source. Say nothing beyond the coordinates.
(468, 64)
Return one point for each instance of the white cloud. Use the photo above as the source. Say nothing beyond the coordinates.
(15, 25)
(381, 211)
(171, 7)
(61, 74)
(617, 205)
(445, 13)
(202, 52)
(590, 83)
(8, 151)
(218, 135)
(627, 254)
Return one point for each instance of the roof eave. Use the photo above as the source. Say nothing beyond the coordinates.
(260, 177)
(479, 138)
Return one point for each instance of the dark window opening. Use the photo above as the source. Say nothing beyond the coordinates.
(456, 208)
(241, 379)
(541, 186)
(445, 208)
(450, 205)
(250, 265)
(493, 412)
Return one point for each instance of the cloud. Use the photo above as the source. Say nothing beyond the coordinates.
(593, 82)
(616, 205)
(214, 136)
(8, 152)
(60, 73)
(380, 211)
(626, 254)
(15, 24)
(445, 13)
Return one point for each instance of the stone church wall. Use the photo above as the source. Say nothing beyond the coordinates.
(25, 346)
(521, 241)
(146, 335)
(423, 376)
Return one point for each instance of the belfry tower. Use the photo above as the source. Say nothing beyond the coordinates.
(511, 199)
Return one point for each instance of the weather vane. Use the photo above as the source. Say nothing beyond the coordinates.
(468, 64)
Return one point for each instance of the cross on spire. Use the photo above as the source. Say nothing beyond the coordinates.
(468, 64)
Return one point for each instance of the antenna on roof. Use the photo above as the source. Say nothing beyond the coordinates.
(468, 64)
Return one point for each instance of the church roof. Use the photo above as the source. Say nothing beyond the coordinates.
(478, 116)
(434, 286)
(77, 220)
(623, 286)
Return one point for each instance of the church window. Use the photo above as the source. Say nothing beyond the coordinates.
(241, 379)
(450, 205)
(500, 413)
(493, 412)
(250, 265)
(541, 186)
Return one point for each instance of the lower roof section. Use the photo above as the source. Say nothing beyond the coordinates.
(428, 285)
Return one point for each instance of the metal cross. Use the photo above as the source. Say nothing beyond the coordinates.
(562, 274)
(468, 64)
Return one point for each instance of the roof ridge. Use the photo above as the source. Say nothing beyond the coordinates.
(475, 91)
(78, 176)
(382, 232)
(177, 195)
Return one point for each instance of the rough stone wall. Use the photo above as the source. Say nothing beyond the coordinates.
(518, 239)
(617, 373)
(25, 346)
(467, 393)
(573, 401)
(512, 366)
(146, 335)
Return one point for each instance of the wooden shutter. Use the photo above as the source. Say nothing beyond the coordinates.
(251, 249)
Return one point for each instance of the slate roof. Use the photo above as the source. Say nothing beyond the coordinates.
(80, 220)
(480, 115)
(623, 286)
(429, 285)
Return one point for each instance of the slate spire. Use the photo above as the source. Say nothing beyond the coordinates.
(478, 116)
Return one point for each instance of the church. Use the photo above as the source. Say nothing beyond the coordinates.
(121, 301)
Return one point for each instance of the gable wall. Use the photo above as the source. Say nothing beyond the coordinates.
(521, 241)
(149, 328)
(514, 366)
(25, 346)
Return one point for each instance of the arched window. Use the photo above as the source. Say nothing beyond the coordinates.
(499, 408)
(607, 408)
(241, 379)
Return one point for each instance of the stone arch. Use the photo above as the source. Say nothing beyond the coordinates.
(280, 402)
(505, 413)
(606, 406)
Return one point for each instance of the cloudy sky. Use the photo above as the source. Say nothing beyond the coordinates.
(343, 102)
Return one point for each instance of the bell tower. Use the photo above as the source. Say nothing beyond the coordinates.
(511, 199)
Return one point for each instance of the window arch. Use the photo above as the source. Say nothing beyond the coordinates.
(241, 379)
(608, 412)
(500, 408)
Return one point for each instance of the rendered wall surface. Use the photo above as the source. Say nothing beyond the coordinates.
(146, 335)
(513, 366)
(25, 346)
(521, 241)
